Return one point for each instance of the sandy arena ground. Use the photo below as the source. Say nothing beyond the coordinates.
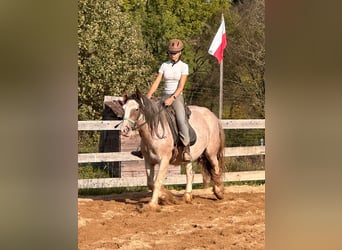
(116, 222)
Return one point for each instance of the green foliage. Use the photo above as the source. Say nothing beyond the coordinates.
(111, 59)
(107, 191)
(88, 141)
(244, 63)
(243, 137)
(91, 172)
(246, 84)
(166, 19)
(244, 163)
(241, 183)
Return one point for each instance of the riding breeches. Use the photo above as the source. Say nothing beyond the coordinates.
(179, 107)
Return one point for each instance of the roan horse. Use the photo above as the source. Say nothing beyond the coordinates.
(157, 144)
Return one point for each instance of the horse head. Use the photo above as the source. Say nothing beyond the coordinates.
(138, 111)
(132, 113)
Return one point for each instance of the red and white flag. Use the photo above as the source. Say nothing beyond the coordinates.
(219, 43)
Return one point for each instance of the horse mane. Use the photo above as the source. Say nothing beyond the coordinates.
(152, 109)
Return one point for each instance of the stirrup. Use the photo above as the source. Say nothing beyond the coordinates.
(186, 156)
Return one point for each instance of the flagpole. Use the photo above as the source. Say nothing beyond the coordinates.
(221, 83)
(216, 49)
(221, 90)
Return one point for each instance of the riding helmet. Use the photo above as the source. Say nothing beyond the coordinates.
(175, 45)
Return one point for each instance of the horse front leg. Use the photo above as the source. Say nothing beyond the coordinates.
(189, 180)
(157, 189)
(150, 175)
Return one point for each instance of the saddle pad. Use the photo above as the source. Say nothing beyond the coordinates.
(174, 128)
(193, 136)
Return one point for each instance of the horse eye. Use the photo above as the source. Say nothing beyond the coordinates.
(137, 109)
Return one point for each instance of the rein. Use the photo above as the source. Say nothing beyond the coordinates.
(134, 128)
(134, 123)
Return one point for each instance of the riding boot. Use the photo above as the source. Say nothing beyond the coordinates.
(138, 153)
(186, 154)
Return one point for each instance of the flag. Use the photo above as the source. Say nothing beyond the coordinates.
(219, 43)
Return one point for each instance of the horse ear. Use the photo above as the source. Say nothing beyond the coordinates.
(138, 93)
(124, 98)
(139, 96)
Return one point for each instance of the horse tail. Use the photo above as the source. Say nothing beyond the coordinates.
(220, 153)
(207, 168)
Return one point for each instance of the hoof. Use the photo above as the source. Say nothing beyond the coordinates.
(144, 208)
(219, 192)
(188, 197)
(166, 198)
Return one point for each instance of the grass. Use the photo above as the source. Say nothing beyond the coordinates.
(92, 171)
(119, 190)
(106, 191)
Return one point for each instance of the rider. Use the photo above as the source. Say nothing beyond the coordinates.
(175, 73)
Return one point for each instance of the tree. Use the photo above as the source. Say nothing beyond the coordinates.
(247, 61)
(244, 63)
(112, 58)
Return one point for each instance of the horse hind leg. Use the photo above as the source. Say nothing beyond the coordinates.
(205, 172)
(213, 167)
(189, 181)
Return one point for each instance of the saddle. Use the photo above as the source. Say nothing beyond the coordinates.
(171, 118)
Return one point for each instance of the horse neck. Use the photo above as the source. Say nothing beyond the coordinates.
(145, 132)
(143, 128)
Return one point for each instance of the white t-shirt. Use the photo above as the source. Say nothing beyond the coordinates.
(172, 74)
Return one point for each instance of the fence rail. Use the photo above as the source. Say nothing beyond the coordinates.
(177, 179)
(226, 124)
(169, 180)
(127, 156)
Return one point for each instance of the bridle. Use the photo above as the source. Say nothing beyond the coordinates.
(141, 117)
(134, 123)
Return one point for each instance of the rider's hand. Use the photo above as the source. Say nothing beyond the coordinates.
(169, 101)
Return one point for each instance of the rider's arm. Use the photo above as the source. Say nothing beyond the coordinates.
(181, 85)
(154, 85)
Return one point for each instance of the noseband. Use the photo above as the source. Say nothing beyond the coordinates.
(147, 120)
(134, 123)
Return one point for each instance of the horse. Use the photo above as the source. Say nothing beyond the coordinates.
(157, 144)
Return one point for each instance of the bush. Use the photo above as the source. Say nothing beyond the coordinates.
(92, 171)
(244, 163)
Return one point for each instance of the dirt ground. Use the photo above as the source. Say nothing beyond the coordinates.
(116, 222)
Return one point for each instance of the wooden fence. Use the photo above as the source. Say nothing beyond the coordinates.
(170, 179)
